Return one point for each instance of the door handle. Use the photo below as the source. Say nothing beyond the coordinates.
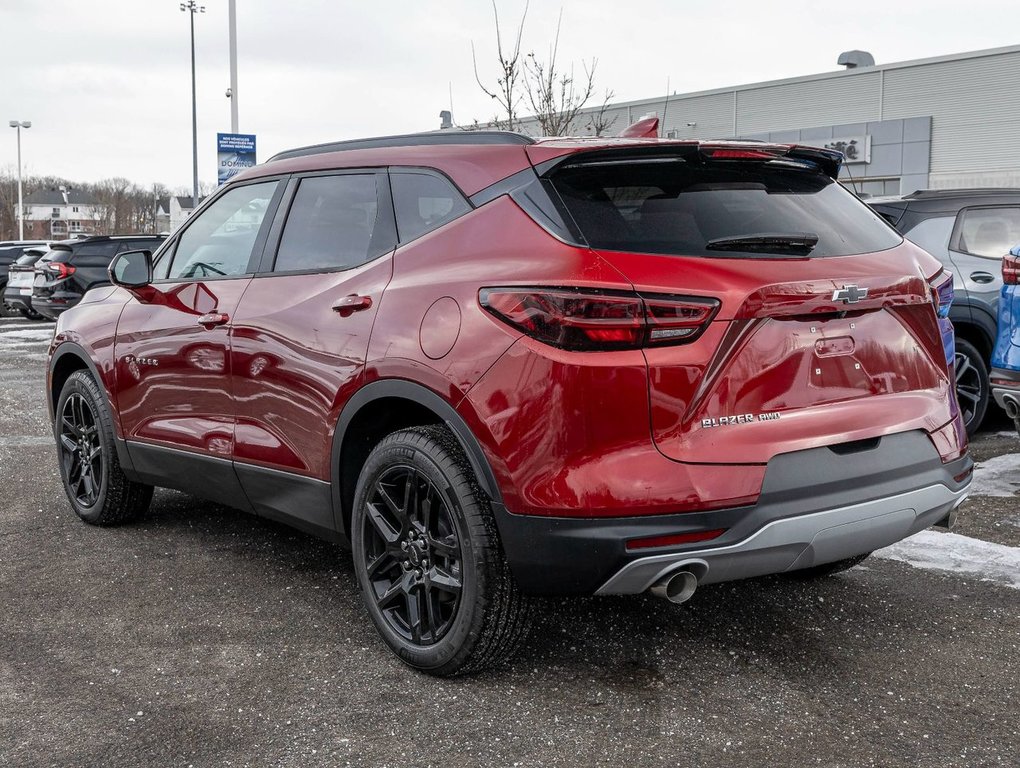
(211, 319)
(348, 305)
(982, 277)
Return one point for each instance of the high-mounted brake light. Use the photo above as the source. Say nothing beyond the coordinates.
(595, 320)
(1011, 267)
(942, 293)
(62, 270)
(738, 154)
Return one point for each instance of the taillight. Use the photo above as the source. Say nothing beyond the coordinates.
(596, 320)
(942, 293)
(62, 270)
(1011, 267)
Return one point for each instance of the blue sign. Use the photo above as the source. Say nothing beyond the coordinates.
(234, 153)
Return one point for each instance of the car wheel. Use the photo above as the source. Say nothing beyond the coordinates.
(827, 569)
(428, 558)
(93, 480)
(972, 388)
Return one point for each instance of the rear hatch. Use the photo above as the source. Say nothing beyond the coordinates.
(52, 273)
(825, 331)
(21, 274)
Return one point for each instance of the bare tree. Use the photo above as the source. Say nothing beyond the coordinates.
(507, 93)
(598, 119)
(556, 97)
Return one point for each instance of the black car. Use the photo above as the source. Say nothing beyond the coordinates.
(75, 266)
(969, 231)
(10, 252)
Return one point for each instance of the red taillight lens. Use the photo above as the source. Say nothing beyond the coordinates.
(62, 270)
(942, 293)
(1011, 269)
(589, 321)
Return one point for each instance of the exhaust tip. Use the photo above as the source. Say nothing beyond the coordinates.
(1012, 406)
(677, 587)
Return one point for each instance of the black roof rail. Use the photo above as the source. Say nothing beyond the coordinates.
(410, 140)
(930, 194)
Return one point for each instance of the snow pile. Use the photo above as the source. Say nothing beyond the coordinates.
(959, 554)
(999, 476)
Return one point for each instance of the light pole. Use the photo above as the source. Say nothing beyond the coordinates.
(19, 124)
(191, 8)
(233, 65)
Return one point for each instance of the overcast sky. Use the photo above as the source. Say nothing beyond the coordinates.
(106, 83)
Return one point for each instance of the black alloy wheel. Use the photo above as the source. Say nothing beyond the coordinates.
(81, 455)
(428, 558)
(972, 386)
(90, 469)
(412, 555)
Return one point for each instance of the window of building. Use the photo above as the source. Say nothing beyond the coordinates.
(424, 202)
(333, 224)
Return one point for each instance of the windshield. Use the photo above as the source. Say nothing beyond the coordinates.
(718, 209)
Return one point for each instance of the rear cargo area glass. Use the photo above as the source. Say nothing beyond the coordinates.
(677, 206)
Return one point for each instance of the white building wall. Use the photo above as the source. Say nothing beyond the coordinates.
(846, 97)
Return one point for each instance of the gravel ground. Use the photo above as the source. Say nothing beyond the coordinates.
(204, 637)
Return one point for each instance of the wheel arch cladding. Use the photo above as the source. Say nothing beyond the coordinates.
(66, 360)
(382, 407)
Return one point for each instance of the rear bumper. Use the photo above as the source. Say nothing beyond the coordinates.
(53, 307)
(799, 542)
(1006, 389)
(14, 298)
(816, 506)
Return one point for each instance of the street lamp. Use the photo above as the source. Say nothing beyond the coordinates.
(191, 7)
(19, 124)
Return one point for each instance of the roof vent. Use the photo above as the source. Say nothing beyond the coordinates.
(855, 59)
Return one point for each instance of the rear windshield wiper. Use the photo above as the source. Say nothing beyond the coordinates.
(766, 242)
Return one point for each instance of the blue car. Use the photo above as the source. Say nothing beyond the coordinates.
(1005, 377)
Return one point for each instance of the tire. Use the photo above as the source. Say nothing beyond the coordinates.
(972, 385)
(95, 485)
(827, 569)
(424, 542)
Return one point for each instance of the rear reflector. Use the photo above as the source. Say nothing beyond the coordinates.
(675, 539)
(597, 320)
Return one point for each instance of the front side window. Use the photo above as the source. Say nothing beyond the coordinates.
(933, 234)
(988, 232)
(333, 224)
(218, 243)
(424, 202)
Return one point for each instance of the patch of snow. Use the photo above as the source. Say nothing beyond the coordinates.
(999, 476)
(958, 554)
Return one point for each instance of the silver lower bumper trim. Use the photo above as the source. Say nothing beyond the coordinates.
(799, 542)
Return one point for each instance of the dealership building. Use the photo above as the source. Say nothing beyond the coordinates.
(949, 121)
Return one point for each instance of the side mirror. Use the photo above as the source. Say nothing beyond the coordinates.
(131, 269)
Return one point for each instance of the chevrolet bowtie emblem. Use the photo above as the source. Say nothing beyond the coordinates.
(849, 294)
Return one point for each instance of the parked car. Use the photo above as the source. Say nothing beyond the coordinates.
(20, 275)
(10, 250)
(501, 367)
(78, 265)
(968, 230)
(1006, 355)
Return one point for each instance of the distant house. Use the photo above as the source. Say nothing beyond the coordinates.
(180, 209)
(163, 214)
(59, 213)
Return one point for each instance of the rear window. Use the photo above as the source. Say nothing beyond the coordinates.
(29, 258)
(676, 207)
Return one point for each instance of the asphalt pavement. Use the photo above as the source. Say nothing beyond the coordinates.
(202, 636)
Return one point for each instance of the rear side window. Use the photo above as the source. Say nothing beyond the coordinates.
(671, 206)
(334, 223)
(424, 202)
(989, 232)
(95, 254)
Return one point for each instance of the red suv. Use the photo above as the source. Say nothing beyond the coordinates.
(500, 367)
